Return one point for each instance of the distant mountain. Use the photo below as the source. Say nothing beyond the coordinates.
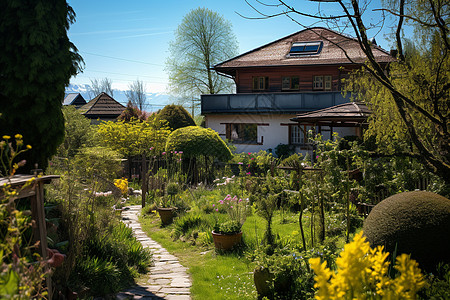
(155, 101)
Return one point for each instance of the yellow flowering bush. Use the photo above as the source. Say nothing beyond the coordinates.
(122, 185)
(362, 273)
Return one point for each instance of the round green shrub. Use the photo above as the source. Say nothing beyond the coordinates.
(176, 116)
(417, 223)
(194, 141)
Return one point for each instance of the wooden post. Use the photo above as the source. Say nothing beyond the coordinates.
(144, 178)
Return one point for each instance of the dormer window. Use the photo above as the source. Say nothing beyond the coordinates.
(305, 48)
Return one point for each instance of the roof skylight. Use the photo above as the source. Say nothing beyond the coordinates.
(305, 48)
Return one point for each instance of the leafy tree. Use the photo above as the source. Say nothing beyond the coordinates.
(136, 94)
(134, 137)
(410, 102)
(176, 116)
(132, 112)
(203, 39)
(78, 132)
(36, 62)
(99, 86)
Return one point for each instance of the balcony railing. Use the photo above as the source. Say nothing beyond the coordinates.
(270, 103)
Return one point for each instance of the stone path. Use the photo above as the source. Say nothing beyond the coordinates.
(167, 279)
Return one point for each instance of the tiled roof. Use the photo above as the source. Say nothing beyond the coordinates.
(347, 112)
(276, 53)
(102, 106)
(74, 99)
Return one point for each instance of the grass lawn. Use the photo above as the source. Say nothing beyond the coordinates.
(214, 276)
(227, 276)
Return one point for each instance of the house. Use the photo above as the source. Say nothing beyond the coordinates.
(102, 108)
(278, 82)
(74, 99)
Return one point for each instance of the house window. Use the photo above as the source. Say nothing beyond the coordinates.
(242, 133)
(322, 83)
(260, 83)
(327, 81)
(290, 83)
(318, 83)
(305, 48)
(297, 134)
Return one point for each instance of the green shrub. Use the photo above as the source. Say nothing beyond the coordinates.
(415, 223)
(284, 150)
(190, 222)
(176, 116)
(78, 132)
(194, 141)
(99, 161)
(99, 275)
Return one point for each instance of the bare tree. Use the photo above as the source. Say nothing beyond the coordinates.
(414, 94)
(203, 39)
(136, 94)
(100, 86)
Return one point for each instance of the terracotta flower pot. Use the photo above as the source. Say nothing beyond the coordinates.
(165, 214)
(226, 241)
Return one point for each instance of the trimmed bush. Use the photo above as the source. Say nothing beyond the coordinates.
(176, 116)
(417, 223)
(195, 141)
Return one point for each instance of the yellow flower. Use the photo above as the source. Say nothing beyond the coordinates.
(6, 137)
(29, 147)
(18, 136)
(363, 273)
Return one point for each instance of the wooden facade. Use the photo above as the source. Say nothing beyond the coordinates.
(244, 78)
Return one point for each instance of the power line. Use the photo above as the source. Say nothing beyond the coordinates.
(123, 59)
(95, 71)
(128, 80)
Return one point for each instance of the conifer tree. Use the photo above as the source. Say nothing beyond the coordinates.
(36, 62)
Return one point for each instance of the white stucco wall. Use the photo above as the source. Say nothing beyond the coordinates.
(271, 135)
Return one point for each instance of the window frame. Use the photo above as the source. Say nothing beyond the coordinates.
(256, 83)
(302, 136)
(326, 82)
(291, 87)
(240, 130)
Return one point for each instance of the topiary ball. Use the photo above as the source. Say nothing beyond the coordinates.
(418, 223)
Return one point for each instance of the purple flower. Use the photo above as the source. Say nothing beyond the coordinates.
(249, 173)
(214, 205)
(240, 163)
(231, 206)
(181, 152)
(317, 156)
(151, 148)
(163, 153)
(217, 209)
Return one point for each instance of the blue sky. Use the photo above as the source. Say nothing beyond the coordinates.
(128, 40)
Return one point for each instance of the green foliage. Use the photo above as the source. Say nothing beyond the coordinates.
(134, 137)
(102, 254)
(37, 60)
(413, 223)
(289, 274)
(176, 116)
(195, 141)
(98, 161)
(284, 150)
(131, 112)
(203, 39)
(414, 118)
(78, 132)
(22, 272)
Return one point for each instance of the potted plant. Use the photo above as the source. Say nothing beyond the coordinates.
(227, 234)
(166, 209)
